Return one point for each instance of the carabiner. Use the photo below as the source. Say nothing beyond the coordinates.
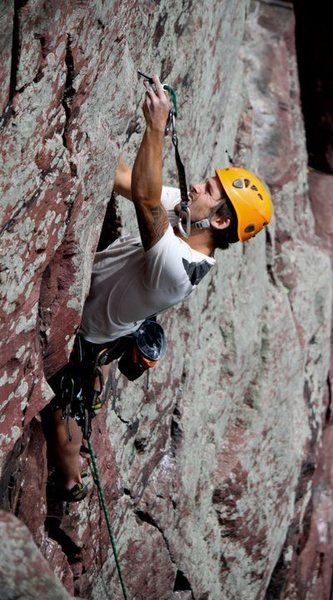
(171, 124)
(185, 214)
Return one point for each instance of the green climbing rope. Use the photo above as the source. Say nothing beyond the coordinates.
(107, 517)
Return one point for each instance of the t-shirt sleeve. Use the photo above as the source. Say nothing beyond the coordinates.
(165, 265)
(170, 197)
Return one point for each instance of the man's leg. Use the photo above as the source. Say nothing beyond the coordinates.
(65, 440)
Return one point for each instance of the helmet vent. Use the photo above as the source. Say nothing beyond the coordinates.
(260, 196)
(249, 228)
(238, 184)
(254, 188)
(247, 182)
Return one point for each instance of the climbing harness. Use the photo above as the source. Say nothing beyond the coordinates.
(184, 217)
(75, 384)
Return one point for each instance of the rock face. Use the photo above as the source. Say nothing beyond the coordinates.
(24, 572)
(217, 476)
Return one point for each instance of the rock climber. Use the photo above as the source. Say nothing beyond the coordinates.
(136, 278)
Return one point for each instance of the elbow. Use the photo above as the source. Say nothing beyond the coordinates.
(146, 197)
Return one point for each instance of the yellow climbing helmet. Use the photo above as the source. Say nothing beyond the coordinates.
(250, 199)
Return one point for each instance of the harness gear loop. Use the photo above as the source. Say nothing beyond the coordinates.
(93, 401)
(67, 391)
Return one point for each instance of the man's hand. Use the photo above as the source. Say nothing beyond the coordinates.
(147, 171)
(157, 106)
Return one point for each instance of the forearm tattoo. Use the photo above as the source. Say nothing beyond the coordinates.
(153, 223)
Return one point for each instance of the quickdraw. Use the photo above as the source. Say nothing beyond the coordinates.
(184, 217)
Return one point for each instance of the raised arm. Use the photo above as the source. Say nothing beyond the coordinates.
(147, 170)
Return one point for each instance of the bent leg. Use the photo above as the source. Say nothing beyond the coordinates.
(65, 442)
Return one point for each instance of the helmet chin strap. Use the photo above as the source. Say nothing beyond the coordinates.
(185, 214)
(202, 224)
(186, 232)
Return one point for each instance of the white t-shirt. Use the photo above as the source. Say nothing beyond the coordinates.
(130, 284)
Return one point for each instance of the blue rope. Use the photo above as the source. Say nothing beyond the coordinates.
(107, 517)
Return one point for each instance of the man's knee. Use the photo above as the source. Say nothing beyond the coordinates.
(66, 432)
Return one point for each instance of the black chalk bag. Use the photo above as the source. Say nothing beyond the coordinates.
(146, 346)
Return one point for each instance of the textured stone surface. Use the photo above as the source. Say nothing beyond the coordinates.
(24, 573)
(6, 26)
(211, 473)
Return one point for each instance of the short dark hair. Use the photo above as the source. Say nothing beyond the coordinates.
(223, 237)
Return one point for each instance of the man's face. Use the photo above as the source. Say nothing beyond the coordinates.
(204, 198)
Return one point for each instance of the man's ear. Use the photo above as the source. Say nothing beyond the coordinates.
(219, 222)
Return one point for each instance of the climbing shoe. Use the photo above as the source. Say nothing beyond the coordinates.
(56, 491)
(75, 494)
